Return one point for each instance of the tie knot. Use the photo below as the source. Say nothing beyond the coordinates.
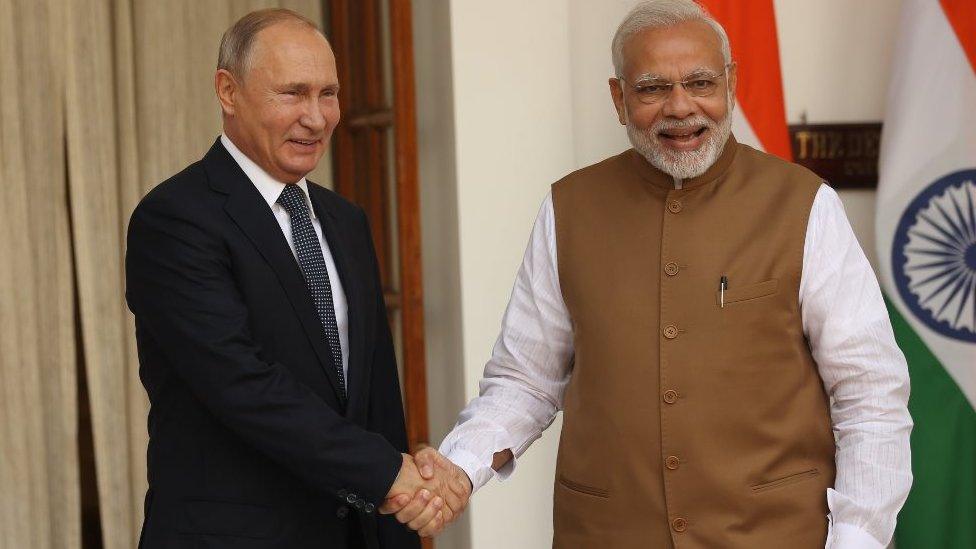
(292, 199)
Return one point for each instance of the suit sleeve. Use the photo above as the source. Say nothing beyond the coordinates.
(385, 402)
(181, 287)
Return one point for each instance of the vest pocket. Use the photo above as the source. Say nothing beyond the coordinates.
(785, 481)
(745, 293)
(582, 488)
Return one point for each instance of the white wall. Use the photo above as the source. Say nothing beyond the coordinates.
(514, 138)
(439, 221)
(513, 95)
(493, 136)
(836, 59)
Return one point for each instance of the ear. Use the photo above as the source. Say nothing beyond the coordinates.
(228, 89)
(617, 94)
(733, 79)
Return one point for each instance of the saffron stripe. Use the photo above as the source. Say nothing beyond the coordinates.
(751, 27)
(962, 16)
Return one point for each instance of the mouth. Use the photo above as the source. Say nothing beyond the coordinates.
(685, 139)
(307, 145)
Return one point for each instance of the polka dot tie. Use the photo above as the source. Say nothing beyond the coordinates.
(312, 263)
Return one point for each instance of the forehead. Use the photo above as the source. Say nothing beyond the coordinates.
(294, 52)
(673, 51)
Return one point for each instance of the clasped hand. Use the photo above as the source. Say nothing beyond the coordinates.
(429, 493)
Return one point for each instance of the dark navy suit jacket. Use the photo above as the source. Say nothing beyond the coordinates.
(251, 444)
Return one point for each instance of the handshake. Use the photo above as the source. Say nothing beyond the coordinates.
(429, 493)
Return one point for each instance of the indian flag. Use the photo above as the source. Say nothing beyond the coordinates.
(759, 119)
(926, 237)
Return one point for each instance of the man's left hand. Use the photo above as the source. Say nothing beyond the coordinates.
(453, 485)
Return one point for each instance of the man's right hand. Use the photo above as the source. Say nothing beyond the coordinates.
(420, 498)
(440, 482)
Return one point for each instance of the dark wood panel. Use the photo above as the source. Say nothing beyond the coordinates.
(361, 153)
(362, 165)
(845, 155)
(382, 118)
(408, 218)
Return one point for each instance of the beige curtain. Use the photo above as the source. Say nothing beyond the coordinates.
(100, 100)
(38, 463)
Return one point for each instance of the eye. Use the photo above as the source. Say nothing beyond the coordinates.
(700, 85)
(651, 89)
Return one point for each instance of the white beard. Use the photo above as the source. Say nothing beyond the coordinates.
(682, 164)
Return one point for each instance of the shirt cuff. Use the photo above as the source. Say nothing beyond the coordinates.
(848, 536)
(478, 472)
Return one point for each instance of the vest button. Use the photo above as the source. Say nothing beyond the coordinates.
(670, 396)
(679, 524)
(672, 462)
(671, 269)
(674, 206)
(671, 331)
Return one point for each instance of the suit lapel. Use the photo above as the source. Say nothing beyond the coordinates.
(340, 245)
(250, 212)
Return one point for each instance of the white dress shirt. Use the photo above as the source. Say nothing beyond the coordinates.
(271, 189)
(850, 337)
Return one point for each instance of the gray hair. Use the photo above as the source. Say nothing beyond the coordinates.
(238, 41)
(652, 14)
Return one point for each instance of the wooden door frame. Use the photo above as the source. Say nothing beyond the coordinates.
(356, 36)
(408, 217)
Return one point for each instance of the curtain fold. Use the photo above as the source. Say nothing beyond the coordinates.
(140, 106)
(39, 498)
(100, 100)
(101, 169)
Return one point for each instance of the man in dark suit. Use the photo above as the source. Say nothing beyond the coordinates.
(276, 416)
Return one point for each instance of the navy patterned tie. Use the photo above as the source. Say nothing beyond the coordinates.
(312, 263)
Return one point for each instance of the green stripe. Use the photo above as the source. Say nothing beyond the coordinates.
(941, 508)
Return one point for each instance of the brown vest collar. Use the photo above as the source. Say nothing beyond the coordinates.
(665, 181)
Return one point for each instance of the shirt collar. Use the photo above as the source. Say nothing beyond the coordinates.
(269, 187)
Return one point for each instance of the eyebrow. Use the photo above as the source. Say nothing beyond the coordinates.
(304, 87)
(299, 86)
(700, 71)
(649, 76)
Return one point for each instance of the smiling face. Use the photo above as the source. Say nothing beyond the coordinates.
(283, 110)
(681, 135)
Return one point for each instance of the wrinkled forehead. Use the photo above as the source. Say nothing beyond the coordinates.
(674, 52)
(291, 50)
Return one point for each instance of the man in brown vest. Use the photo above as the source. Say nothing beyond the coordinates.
(705, 319)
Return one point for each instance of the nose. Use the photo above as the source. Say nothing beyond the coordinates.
(679, 104)
(313, 116)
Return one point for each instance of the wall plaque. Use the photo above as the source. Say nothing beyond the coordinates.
(846, 155)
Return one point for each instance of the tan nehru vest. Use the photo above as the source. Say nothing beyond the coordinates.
(688, 424)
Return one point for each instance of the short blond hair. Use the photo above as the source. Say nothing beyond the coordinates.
(234, 55)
